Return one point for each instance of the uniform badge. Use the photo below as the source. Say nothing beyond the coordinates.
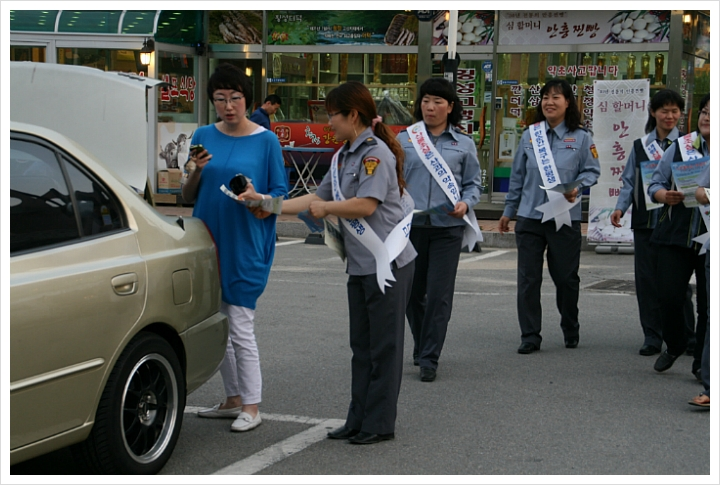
(371, 164)
(454, 143)
(593, 150)
(569, 140)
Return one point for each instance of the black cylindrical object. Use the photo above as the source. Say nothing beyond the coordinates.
(238, 184)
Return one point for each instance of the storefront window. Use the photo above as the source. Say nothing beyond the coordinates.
(303, 81)
(106, 59)
(29, 53)
(177, 103)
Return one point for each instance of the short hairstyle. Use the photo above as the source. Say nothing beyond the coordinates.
(664, 97)
(572, 114)
(703, 102)
(439, 86)
(228, 76)
(273, 98)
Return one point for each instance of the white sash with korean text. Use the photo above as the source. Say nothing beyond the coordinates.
(557, 206)
(653, 151)
(440, 171)
(383, 252)
(687, 147)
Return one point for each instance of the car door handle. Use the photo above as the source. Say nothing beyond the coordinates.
(125, 284)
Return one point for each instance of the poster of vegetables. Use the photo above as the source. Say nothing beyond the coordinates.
(235, 26)
(311, 27)
(473, 27)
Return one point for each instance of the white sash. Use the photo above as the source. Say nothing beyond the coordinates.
(440, 171)
(653, 150)
(687, 150)
(384, 252)
(557, 206)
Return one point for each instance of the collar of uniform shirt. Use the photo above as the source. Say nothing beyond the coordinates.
(560, 130)
(364, 135)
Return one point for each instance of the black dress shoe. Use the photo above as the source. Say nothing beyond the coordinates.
(364, 438)
(527, 348)
(571, 343)
(427, 374)
(665, 361)
(342, 433)
(649, 350)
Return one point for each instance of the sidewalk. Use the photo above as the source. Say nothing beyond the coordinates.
(291, 226)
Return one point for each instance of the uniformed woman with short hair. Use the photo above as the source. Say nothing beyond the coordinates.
(365, 190)
(554, 150)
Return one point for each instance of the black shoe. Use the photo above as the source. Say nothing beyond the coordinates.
(342, 433)
(649, 350)
(690, 350)
(571, 343)
(527, 348)
(427, 374)
(364, 438)
(665, 361)
(416, 358)
(697, 375)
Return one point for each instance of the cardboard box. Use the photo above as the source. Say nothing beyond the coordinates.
(168, 181)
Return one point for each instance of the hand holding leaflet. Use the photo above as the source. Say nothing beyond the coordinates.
(563, 188)
(273, 205)
(315, 224)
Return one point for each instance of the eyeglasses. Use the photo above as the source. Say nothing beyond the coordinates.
(330, 115)
(705, 112)
(235, 100)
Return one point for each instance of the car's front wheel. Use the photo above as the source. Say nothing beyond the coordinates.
(138, 420)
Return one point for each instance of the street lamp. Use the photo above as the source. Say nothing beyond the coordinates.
(147, 49)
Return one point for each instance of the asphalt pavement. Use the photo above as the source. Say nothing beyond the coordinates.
(595, 413)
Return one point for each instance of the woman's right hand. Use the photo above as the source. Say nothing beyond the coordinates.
(615, 218)
(504, 224)
(200, 159)
(673, 197)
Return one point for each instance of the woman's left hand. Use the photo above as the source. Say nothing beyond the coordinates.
(459, 211)
(249, 193)
(572, 195)
(259, 212)
(318, 208)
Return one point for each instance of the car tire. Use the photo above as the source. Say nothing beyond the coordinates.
(140, 413)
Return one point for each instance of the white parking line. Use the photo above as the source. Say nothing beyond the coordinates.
(483, 256)
(279, 451)
(289, 243)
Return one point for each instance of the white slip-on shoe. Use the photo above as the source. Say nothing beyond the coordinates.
(245, 422)
(216, 412)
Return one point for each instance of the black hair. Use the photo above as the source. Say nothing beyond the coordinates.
(664, 97)
(227, 76)
(572, 114)
(703, 102)
(273, 98)
(439, 86)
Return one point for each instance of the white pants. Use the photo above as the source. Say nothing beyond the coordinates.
(240, 368)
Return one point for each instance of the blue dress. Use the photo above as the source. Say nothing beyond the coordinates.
(246, 245)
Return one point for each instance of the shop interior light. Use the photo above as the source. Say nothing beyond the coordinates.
(687, 18)
(147, 49)
(248, 71)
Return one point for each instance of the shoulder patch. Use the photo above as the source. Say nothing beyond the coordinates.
(371, 141)
(371, 164)
(593, 150)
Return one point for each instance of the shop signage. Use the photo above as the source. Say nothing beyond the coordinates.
(619, 116)
(425, 15)
(583, 27)
(318, 27)
(467, 91)
(235, 26)
(487, 66)
(507, 81)
(474, 27)
(276, 80)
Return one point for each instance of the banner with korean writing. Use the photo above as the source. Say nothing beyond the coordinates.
(583, 26)
(318, 27)
(619, 116)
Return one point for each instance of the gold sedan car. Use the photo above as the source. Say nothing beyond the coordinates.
(115, 311)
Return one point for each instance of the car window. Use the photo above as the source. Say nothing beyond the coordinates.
(99, 212)
(41, 212)
(53, 199)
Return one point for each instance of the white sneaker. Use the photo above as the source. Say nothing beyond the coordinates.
(245, 422)
(216, 412)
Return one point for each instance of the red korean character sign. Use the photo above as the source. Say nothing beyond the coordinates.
(619, 114)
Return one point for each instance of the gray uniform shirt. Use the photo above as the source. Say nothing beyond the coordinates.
(367, 169)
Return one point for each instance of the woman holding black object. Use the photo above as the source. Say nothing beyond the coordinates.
(246, 244)
(678, 253)
(441, 168)
(573, 162)
(364, 189)
(666, 106)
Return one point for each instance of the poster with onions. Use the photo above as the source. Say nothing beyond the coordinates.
(583, 27)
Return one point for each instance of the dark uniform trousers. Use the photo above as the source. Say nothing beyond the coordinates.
(646, 288)
(377, 338)
(431, 300)
(563, 258)
(675, 267)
